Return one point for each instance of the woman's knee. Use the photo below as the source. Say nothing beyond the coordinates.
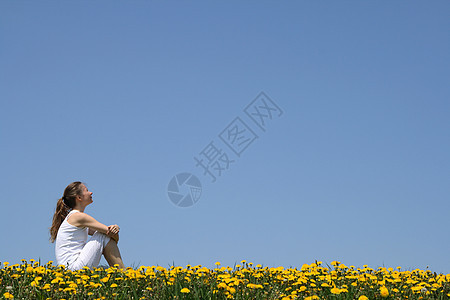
(98, 233)
(101, 237)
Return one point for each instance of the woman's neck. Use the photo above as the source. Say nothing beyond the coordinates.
(80, 209)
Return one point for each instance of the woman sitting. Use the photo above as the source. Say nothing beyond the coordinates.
(71, 227)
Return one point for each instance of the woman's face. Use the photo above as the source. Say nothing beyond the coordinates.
(86, 196)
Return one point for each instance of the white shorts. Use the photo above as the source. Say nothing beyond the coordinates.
(92, 252)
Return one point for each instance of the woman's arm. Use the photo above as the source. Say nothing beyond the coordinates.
(84, 220)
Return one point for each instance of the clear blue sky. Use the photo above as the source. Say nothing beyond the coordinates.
(123, 96)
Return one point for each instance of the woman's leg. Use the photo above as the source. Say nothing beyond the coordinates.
(91, 253)
(112, 254)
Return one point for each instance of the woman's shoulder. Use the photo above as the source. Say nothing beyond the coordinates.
(76, 217)
(74, 213)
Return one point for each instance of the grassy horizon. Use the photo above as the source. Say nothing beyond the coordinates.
(31, 280)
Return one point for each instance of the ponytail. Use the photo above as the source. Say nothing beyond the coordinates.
(63, 206)
(60, 214)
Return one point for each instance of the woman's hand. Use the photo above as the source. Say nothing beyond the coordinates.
(113, 232)
(114, 229)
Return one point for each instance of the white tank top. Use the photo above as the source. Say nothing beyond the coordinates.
(70, 240)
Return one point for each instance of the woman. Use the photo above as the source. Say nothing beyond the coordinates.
(71, 227)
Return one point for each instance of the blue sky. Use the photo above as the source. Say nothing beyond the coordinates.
(123, 96)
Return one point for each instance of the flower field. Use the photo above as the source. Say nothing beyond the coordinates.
(31, 280)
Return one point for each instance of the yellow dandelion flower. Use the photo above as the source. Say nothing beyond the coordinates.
(185, 290)
(363, 298)
(335, 291)
(384, 292)
(222, 285)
